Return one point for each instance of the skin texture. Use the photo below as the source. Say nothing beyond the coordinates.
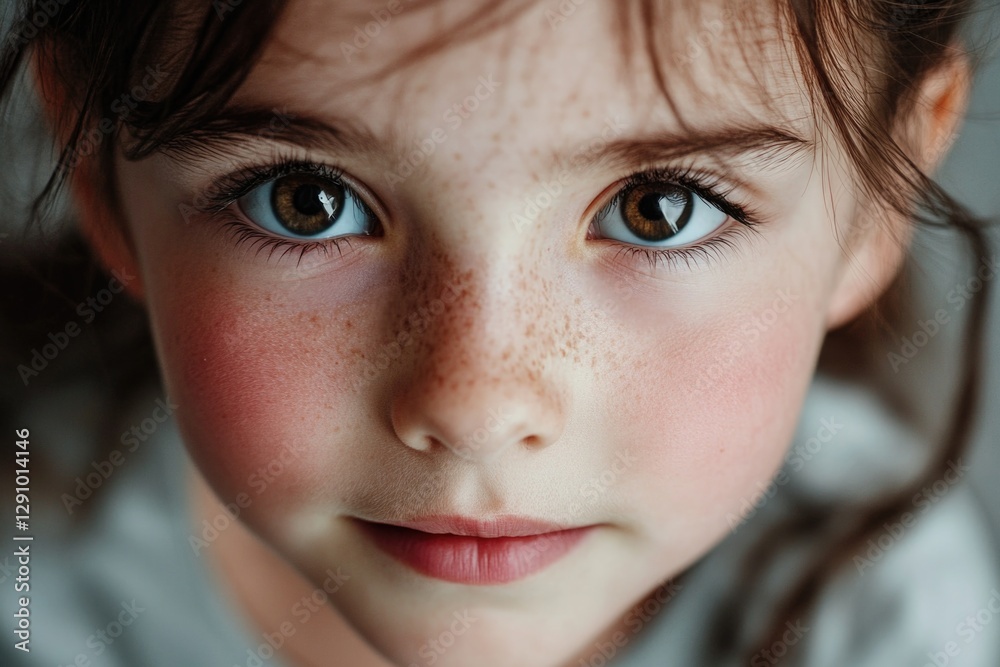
(693, 372)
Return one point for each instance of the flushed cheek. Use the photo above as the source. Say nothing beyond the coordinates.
(719, 421)
(263, 400)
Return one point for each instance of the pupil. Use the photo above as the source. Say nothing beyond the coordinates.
(657, 212)
(306, 199)
(649, 206)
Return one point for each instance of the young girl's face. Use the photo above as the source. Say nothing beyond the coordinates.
(487, 325)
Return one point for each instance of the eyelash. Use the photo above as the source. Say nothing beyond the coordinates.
(226, 191)
(230, 188)
(715, 193)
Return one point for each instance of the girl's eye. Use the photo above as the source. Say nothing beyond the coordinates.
(306, 206)
(662, 213)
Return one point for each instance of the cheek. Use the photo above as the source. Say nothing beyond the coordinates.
(728, 395)
(257, 408)
(259, 357)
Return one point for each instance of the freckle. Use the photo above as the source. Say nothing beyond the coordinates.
(586, 113)
(457, 157)
(348, 324)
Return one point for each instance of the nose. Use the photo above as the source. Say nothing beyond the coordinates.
(484, 381)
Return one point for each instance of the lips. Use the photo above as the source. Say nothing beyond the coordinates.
(475, 552)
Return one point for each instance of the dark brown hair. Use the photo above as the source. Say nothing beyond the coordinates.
(862, 61)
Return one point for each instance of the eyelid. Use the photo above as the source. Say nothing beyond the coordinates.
(715, 190)
(682, 257)
(228, 189)
(224, 191)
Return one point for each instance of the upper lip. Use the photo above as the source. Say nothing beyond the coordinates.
(499, 526)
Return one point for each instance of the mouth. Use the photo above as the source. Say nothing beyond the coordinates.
(475, 552)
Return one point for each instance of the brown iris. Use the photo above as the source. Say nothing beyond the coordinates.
(657, 211)
(305, 204)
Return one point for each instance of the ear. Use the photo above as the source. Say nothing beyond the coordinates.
(96, 208)
(104, 227)
(878, 248)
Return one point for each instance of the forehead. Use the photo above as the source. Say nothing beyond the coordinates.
(401, 65)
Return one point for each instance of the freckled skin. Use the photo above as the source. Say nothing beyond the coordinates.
(591, 354)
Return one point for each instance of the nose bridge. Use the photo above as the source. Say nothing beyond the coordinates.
(482, 378)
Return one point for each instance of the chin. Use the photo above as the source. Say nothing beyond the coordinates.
(469, 636)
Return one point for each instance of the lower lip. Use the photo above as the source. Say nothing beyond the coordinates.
(473, 560)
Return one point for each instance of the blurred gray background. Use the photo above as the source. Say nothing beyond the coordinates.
(972, 174)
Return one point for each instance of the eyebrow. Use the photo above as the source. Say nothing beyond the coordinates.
(235, 125)
(768, 143)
